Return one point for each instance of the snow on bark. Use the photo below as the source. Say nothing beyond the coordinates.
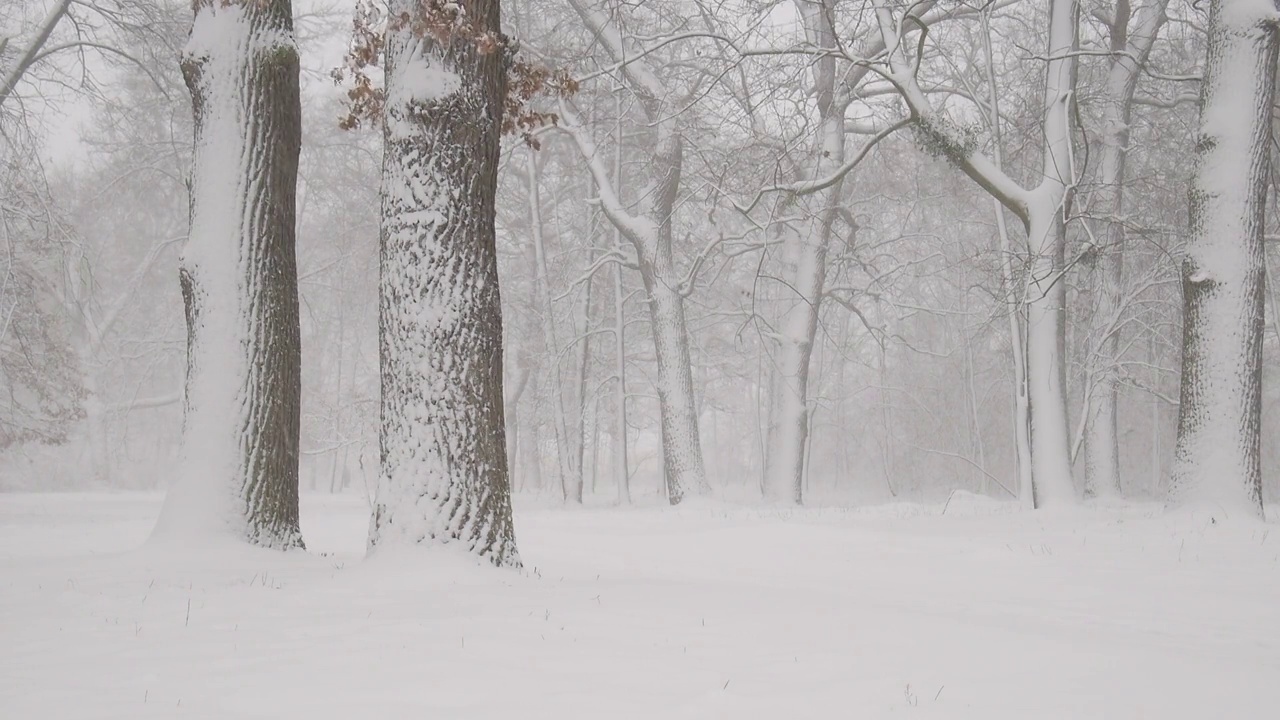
(444, 476)
(238, 471)
(1217, 460)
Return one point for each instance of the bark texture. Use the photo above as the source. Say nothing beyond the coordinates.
(444, 477)
(1217, 460)
(239, 466)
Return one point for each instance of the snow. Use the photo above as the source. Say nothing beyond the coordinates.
(703, 611)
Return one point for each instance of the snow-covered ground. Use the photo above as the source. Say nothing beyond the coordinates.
(701, 612)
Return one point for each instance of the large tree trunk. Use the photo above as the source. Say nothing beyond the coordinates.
(1018, 354)
(1217, 460)
(444, 465)
(806, 255)
(239, 464)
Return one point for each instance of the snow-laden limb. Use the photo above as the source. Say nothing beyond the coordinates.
(238, 471)
(444, 476)
(1217, 461)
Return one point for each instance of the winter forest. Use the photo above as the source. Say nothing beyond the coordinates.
(639, 358)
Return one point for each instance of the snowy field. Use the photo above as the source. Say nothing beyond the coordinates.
(701, 612)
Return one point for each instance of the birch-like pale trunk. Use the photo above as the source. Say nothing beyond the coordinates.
(1217, 459)
(581, 368)
(805, 254)
(238, 468)
(1130, 44)
(444, 477)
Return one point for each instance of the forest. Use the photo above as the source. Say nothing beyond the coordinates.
(957, 316)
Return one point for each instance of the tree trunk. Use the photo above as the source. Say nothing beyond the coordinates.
(1022, 400)
(444, 477)
(239, 461)
(1013, 302)
(1217, 459)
